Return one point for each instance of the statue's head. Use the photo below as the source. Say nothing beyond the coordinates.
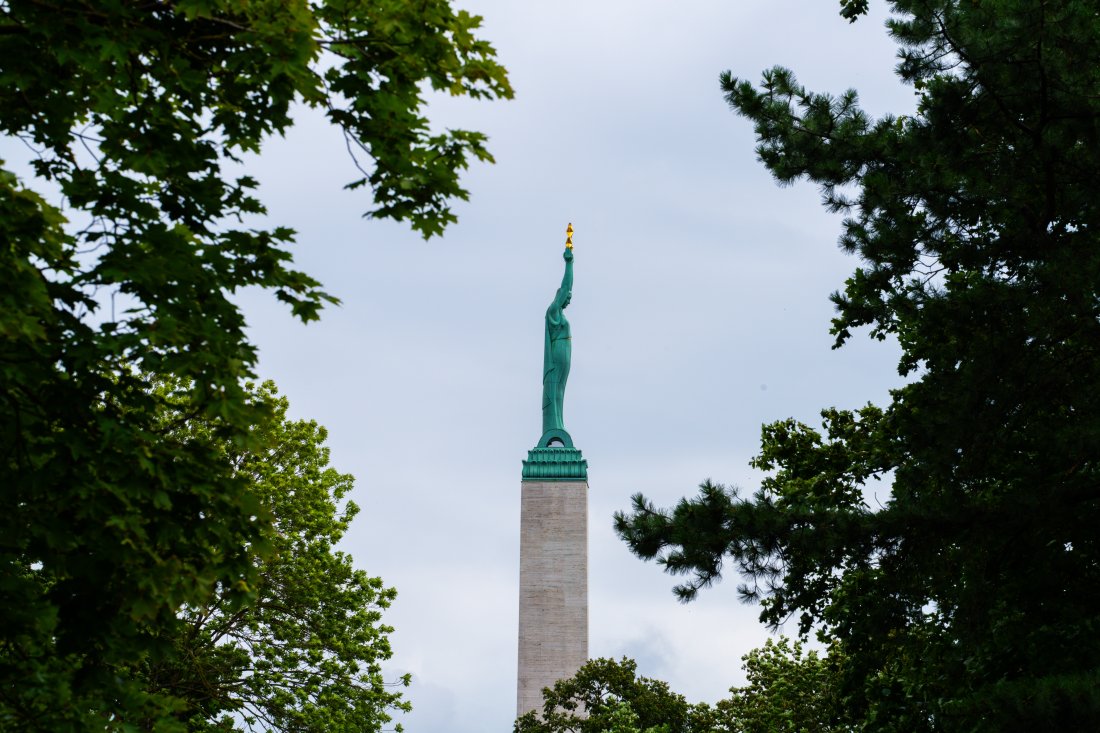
(568, 297)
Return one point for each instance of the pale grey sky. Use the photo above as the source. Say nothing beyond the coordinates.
(700, 311)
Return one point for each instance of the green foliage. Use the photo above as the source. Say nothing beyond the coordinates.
(787, 692)
(110, 520)
(621, 718)
(606, 695)
(304, 652)
(969, 599)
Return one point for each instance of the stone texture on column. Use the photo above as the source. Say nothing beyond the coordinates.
(553, 586)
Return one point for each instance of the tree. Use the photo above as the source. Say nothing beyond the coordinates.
(110, 522)
(787, 692)
(304, 653)
(605, 695)
(970, 599)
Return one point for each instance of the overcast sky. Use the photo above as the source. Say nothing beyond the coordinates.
(700, 311)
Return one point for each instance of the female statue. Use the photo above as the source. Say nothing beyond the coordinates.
(555, 361)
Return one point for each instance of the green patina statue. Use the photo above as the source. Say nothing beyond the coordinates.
(555, 458)
(557, 353)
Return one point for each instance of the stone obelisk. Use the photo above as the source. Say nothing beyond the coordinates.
(553, 554)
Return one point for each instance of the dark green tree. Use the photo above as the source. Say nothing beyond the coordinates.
(304, 652)
(605, 695)
(970, 599)
(110, 521)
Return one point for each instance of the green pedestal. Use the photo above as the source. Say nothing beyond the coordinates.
(555, 463)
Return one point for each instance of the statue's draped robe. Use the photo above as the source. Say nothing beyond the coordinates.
(557, 353)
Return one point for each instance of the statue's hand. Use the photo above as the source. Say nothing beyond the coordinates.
(568, 254)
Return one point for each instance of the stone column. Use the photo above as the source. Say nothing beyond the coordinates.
(553, 572)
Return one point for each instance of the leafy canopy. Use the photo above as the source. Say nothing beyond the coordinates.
(969, 600)
(305, 652)
(788, 691)
(608, 695)
(119, 260)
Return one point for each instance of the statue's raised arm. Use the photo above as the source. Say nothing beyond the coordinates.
(565, 292)
(556, 357)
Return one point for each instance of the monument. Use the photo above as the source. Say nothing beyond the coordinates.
(553, 553)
